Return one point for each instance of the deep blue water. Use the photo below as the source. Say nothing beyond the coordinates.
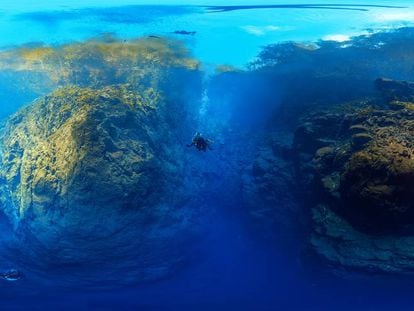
(234, 266)
(236, 272)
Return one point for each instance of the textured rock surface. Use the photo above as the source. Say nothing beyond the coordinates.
(27, 72)
(396, 90)
(344, 246)
(269, 190)
(86, 181)
(358, 168)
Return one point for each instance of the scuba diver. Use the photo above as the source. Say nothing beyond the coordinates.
(200, 142)
(11, 275)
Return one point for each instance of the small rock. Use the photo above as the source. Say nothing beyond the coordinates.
(358, 128)
(360, 140)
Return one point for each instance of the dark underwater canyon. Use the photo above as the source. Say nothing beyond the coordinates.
(311, 167)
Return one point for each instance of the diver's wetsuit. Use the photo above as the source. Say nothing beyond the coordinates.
(200, 143)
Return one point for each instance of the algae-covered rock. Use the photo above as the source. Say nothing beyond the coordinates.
(360, 188)
(27, 72)
(358, 129)
(86, 181)
(377, 185)
(397, 105)
(360, 140)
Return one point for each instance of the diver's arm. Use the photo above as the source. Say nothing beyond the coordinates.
(190, 145)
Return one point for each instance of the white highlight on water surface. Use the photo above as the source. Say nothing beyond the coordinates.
(337, 38)
(395, 17)
(260, 30)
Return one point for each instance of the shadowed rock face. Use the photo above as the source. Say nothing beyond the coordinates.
(85, 181)
(378, 182)
(350, 170)
(357, 163)
(393, 90)
(366, 166)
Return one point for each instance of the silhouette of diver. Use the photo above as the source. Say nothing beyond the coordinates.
(200, 142)
(11, 275)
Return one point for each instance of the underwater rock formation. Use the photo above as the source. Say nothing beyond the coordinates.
(268, 193)
(28, 72)
(86, 181)
(346, 179)
(300, 76)
(393, 90)
(356, 162)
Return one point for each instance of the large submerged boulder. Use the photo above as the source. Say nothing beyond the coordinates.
(91, 180)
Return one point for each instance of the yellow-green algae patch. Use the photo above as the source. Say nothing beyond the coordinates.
(98, 62)
(396, 105)
(44, 144)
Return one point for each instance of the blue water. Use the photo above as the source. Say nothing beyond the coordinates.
(232, 37)
(233, 266)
